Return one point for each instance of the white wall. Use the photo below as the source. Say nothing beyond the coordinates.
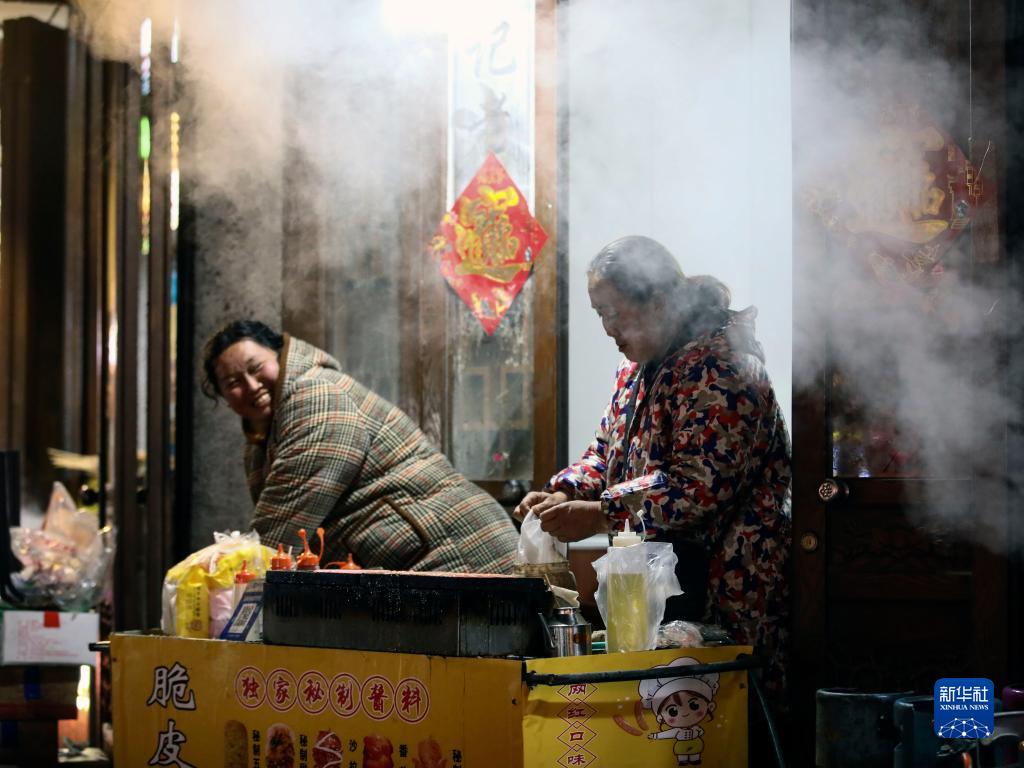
(679, 129)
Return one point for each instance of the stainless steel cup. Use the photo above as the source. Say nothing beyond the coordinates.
(568, 633)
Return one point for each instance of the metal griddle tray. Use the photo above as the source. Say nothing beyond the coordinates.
(433, 613)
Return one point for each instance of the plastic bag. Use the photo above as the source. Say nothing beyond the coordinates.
(66, 562)
(680, 634)
(537, 546)
(633, 584)
(64, 518)
(198, 591)
(541, 554)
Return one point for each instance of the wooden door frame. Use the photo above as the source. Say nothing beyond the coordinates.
(989, 582)
(550, 310)
(122, 246)
(551, 295)
(1013, 197)
(159, 507)
(32, 270)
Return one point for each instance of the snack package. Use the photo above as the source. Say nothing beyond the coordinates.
(198, 591)
(541, 554)
(680, 634)
(65, 563)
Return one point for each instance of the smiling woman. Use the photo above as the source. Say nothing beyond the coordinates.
(325, 451)
(246, 374)
(241, 366)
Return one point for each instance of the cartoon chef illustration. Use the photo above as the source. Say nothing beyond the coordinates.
(680, 704)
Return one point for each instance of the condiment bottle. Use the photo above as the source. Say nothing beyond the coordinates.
(627, 595)
(282, 561)
(348, 565)
(308, 560)
(242, 578)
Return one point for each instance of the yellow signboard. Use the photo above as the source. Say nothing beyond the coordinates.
(211, 703)
(665, 721)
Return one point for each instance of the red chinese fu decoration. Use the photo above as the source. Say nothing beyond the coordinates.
(487, 243)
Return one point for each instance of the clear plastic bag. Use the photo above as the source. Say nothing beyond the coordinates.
(64, 518)
(541, 554)
(537, 546)
(633, 584)
(680, 634)
(66, 562)
(198, 591)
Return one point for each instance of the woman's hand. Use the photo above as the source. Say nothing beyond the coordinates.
(573, 520)
(537, 501)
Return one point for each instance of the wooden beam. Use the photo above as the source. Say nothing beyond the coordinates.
(122, 252)
(550, 330)
(33, 84)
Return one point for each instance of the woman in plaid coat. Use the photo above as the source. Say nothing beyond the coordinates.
(693, 400)
(323, 450)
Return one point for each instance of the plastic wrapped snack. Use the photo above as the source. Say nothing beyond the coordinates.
(65, 563)
(680, 634)
(198, 591)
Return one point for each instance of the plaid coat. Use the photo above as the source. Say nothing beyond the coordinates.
(339, 456)
(709, 420)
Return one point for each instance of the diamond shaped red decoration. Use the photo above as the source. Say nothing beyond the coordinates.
(487, 243)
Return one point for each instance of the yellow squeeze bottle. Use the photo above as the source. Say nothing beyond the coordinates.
(627, 600)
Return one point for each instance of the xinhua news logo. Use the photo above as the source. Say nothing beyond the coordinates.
(964, 708)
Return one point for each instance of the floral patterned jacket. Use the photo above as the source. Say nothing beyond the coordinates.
(710, 421)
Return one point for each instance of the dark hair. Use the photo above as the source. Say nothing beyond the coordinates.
(641, 268)
(232, 333)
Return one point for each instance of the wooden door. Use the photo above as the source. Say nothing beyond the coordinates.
(899, 504)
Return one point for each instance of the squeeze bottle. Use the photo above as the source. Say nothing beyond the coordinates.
(242, 578)
(282, 561)
(627, 595)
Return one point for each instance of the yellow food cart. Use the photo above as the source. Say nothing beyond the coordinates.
(191, 702)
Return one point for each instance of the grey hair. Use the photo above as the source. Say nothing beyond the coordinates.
(642, 268)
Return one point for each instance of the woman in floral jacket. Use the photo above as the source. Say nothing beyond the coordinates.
(323, 450)
(693, 400)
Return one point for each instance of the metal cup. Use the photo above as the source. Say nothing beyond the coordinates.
(568, 633)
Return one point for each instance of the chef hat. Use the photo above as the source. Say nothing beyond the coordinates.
(655, 692)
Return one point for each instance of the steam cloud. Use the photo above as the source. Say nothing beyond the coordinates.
(919, 356)
(327, 82)
(292, 115)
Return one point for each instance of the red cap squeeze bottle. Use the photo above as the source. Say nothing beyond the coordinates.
(348, 565)
(281, 561)
(308, 560)
(242, 578)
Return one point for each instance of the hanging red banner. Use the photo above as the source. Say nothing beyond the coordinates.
(487, 243)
